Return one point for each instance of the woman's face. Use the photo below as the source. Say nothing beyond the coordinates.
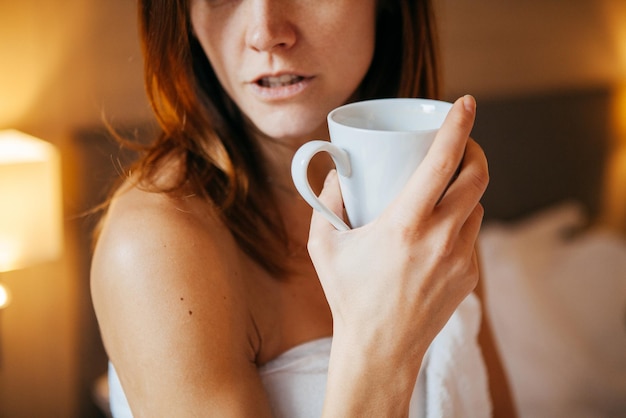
(287, 63)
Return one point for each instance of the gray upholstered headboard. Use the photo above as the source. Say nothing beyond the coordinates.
(544, 149)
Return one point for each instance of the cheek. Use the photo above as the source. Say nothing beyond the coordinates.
(212, 34)
(355, 44)
(215, 48)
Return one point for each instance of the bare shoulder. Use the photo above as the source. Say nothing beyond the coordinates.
(170, 299)
(150, 231)
(152, 242)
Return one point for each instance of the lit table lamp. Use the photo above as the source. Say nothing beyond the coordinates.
(31, 227)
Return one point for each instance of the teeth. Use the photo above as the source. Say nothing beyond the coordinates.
(283, 80)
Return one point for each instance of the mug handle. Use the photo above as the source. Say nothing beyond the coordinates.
(299, 167)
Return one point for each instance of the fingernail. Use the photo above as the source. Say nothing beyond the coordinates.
(469, 103)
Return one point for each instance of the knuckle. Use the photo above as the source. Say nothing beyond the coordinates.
(407, 233)
(473, 279)
(444, 167)
(410, 234)
(444, 248)
(471, 271)
(466, 275)
(479, 180)
(479, 211)
(478, 168)
(315, 246)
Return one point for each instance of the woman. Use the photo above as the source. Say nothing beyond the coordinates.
(201, 279)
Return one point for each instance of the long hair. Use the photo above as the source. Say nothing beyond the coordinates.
(204, 128)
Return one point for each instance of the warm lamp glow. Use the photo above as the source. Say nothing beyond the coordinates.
(614, 204)
(5, 297)
(30, 201)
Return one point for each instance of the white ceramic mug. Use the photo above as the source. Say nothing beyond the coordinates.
(376, 146)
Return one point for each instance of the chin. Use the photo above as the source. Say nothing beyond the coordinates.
(296, 129)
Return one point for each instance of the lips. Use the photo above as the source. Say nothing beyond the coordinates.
(280, 87)
(279, 81)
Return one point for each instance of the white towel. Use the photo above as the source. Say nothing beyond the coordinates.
(452, 382)
(295, 381)
(456, 376)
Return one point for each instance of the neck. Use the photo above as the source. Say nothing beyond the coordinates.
(293, 211)
(277, 155)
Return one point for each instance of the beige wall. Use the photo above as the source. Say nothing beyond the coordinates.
(65, 62)
(495, 48)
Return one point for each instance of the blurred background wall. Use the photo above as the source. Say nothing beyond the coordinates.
(64, 64)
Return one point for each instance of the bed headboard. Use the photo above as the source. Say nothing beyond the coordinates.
(544, 149)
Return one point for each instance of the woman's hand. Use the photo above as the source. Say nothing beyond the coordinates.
(394, 283)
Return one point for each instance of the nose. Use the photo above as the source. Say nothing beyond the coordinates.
(270, 27)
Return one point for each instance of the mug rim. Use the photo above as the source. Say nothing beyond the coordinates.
(438, 106)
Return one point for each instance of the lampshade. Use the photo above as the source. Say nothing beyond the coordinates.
(31, 228)
(5, 297)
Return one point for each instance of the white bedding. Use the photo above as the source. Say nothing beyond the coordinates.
(556, 294)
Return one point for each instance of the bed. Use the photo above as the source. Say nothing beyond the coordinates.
(555, 279)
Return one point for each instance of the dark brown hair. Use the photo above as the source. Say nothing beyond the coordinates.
(205, 129)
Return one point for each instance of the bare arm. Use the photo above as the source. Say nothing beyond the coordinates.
(394, 283)
(174, 324)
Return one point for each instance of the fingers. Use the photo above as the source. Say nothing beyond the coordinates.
(331, 197)
(470, 185)
(446, 153)
(431, 178)
(468, 234)
(466, 242)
